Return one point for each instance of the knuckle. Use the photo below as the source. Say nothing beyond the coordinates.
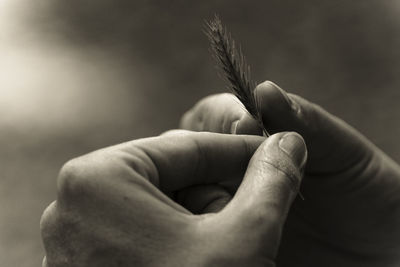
(47, 218)
(50, 229)
(218, 99)
(68, 178)
(73, 180)
(205, 113)
(186, 120)
(226, 96)
(193, 118)
(176, 132)
(228, 124)
(59, 232)
(217, 96)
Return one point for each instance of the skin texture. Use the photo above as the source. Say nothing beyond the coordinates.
(351, 212)
(113, 208)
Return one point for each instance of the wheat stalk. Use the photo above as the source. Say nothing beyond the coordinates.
(236, 70)
(234, 67)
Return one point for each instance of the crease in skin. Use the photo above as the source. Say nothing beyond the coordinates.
(217, 204)
(199, 164)
(242, 115)
(294, 179)
(204, 198)
(139, 162)
(152, 179)
(234, 126)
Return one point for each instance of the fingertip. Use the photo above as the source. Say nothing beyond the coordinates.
(270, 185)
(266, 84)
(271, 96)
(283, 154)
(279, 112)
(289, 142)
(294, 146)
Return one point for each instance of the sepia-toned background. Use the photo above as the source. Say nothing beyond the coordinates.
(79, 75)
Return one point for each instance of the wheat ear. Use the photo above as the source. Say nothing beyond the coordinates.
(234, 67)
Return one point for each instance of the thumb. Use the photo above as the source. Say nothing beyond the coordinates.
(333, 145)
(261, 204)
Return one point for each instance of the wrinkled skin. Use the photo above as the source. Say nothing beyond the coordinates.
(113, 208)
(351, 212)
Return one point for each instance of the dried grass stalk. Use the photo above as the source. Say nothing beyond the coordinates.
(234, 67)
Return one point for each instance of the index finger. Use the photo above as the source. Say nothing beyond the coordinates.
(176, 161)
(221, 113)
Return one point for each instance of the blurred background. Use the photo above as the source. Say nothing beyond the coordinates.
(79, 75)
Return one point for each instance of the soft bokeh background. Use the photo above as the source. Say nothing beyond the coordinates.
(79, 75)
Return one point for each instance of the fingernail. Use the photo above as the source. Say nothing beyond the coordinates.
(234, 126)
(293, 145)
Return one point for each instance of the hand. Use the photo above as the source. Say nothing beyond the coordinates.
(112, 207)
(351, 212)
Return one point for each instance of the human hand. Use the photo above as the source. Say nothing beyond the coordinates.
(351, 212)
(112, 207)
